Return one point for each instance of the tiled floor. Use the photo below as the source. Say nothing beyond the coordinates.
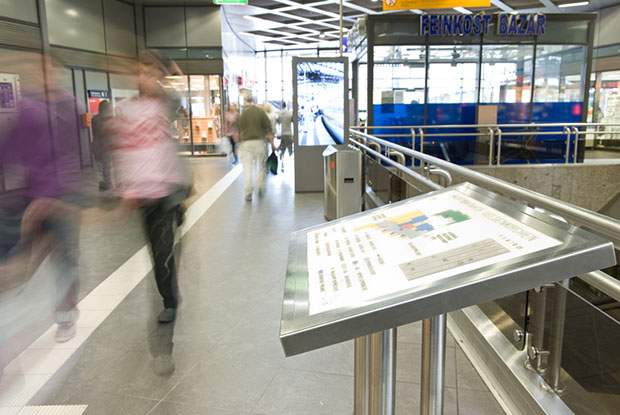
(228, 360)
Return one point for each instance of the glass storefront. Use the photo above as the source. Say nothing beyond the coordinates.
(604, 107)
(199, 118)
(433, 80)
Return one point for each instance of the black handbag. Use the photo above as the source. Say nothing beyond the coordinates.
(272, 163)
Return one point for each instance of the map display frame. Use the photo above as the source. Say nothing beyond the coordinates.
(421, 257)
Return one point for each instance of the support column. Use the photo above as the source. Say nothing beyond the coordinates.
(382, 373)
(361, 366)
(433, 365)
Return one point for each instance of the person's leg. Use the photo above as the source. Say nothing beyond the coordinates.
(158, 221)
(259, 157)
(66, 234)
(107, 177)
(233, 151)
(246, 160)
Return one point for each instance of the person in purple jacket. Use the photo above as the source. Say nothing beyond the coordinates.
(43, 146)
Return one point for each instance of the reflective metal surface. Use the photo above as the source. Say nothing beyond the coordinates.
(361, 386)
(343, 181)
(433, 365)
(382, 373)
(580, 252)
(501, 366)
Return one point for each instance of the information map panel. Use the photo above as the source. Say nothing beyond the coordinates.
(421, 257)
(418, 242)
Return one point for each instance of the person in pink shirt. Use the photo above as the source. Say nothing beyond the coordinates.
(149, 175)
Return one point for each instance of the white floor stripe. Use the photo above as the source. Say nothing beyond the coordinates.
(53, 410)
(31, 370)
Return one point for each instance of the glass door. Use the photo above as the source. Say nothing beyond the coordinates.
(180, 125)
(198, 122)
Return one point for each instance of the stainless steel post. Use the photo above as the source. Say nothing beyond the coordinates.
(568, 133)
(539, 307)
(433, 365)
(421, 141)
(361, 364)
(382, 373)
(491, 139)
(557, 336)
(499, 146)
(576, 132)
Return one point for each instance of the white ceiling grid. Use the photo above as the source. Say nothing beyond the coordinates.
(275, 24)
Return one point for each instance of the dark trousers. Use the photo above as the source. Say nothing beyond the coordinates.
(159, 225)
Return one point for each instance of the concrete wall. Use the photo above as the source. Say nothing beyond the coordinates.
(590, 186)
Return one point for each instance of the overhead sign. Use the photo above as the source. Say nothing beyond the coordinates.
(432, 4)
(95, 96)
(476, 24)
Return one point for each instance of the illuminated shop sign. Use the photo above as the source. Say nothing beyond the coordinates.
(476, 24)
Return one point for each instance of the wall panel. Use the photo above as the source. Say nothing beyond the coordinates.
(204, 26)
(25, 10)
(76, 24)
(165, 26)
(96, 80)
(607, 27)
(120, 29)
(16, 34)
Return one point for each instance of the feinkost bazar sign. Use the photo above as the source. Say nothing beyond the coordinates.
(470, 24)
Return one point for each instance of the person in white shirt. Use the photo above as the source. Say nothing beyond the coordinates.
(285, 119)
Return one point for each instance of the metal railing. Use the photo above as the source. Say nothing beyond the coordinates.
(605, 226)
(495, 135)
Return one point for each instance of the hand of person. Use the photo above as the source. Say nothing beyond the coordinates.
(36, 212)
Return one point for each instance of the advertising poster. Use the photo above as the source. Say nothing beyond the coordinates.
(95, 97)
(320, 103)
(7, 96)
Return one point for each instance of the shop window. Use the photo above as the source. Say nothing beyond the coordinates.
(558, 86)
(507, 81)
(398, 86)
(452, 84)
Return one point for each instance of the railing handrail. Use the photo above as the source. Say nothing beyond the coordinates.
(602, 224)
(444, 126)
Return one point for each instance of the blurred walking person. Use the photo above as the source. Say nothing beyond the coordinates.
(232, 130)
(149, 174)
(285, 119)
(102, 132)
(254, 126)
(43, 215)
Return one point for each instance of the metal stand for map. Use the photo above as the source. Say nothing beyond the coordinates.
(362, 276)
(433, 365)
(375, 374)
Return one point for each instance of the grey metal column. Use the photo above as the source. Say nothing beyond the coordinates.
(361, 366)
(382, 373)
(433, 365)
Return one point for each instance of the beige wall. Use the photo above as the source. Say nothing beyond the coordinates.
(590, 186)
